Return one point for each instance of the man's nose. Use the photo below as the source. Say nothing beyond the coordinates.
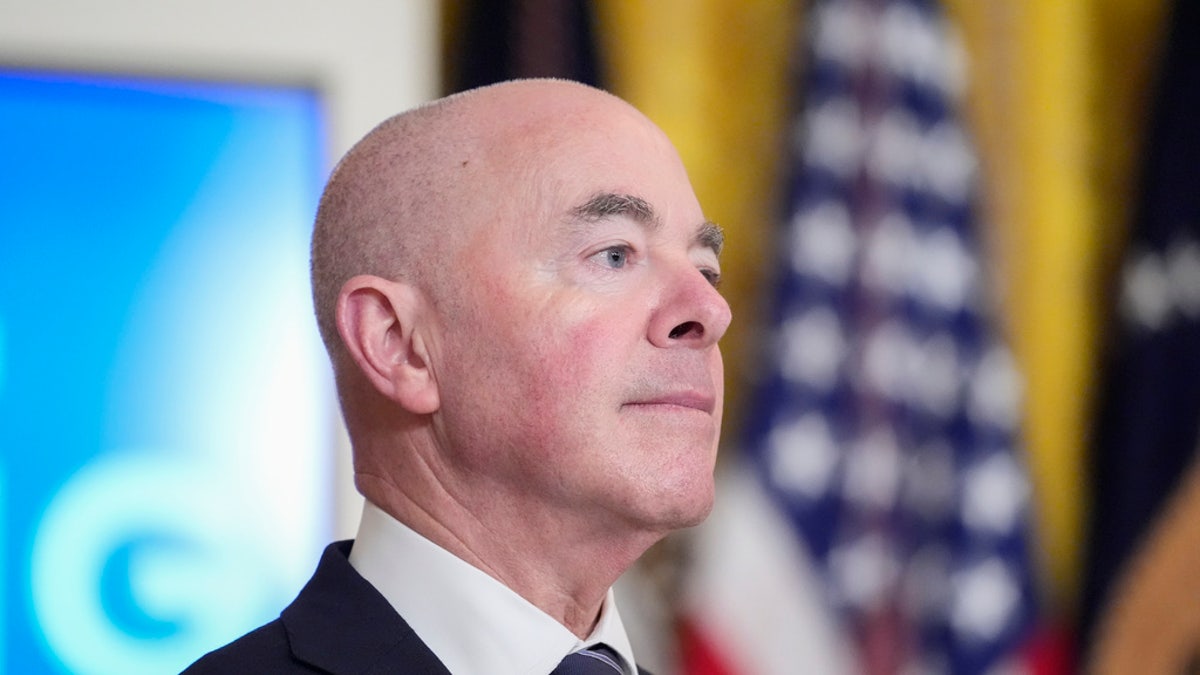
(692, 314)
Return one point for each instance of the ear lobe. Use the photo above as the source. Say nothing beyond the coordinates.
(378, 320)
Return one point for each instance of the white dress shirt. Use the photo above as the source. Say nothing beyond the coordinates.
(473, 623)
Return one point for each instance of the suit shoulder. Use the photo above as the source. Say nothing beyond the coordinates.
(263, 650)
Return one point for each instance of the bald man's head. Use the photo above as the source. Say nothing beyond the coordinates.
(517, 286)
(406, 194)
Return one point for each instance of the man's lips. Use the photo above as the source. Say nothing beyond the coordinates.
(694, 400)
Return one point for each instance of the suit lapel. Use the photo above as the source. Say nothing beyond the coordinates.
(341, 624)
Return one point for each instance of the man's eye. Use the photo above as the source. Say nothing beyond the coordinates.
(615, 257)
(713, 276)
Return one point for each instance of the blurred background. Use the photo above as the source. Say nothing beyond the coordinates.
(963, 378)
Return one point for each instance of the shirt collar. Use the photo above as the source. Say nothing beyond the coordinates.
(471, 621)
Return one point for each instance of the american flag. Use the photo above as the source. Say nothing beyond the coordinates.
(886, 426)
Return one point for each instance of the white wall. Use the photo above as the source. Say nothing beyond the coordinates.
(371, 57)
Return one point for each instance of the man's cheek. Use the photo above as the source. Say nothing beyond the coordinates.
(573, 377)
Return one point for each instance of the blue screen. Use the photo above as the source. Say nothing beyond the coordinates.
(165, 414)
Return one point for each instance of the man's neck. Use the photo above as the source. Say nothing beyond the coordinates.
(557, 565)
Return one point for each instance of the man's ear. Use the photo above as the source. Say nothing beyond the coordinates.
(378, 321)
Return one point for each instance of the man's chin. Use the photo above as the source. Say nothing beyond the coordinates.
(678, 512)
(698, 516)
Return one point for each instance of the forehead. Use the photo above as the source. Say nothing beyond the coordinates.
(606, 161)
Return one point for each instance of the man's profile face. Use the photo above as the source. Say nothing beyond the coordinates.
(580, 359)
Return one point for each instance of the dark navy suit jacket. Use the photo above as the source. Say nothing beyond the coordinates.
(338, 624)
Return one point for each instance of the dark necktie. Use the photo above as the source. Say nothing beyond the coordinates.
(595, 660)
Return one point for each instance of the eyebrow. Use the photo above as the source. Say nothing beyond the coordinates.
(711, 235)
(609, 204)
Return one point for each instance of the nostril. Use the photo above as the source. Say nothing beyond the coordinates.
(686, 328)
